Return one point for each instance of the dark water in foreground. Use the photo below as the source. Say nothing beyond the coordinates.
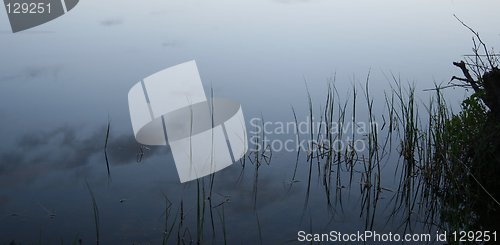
(62, 82)
(268, 197)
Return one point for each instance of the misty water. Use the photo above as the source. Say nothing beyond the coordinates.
(60, 84)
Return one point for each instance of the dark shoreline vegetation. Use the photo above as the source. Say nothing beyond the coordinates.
(447, 163)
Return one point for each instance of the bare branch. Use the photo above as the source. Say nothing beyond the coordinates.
(468, 77)
(478, 38)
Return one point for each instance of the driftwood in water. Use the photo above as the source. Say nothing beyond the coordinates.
(484, 64)
(487, 86)
(491, 84)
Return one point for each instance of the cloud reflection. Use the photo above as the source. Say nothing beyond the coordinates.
(38, 153)
(35, 72)
(111, 22)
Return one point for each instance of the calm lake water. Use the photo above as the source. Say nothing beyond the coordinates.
(62, 81)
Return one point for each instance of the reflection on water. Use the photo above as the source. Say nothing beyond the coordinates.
(61, 82)
(62, 149)
(114, 190)
(266, 197)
